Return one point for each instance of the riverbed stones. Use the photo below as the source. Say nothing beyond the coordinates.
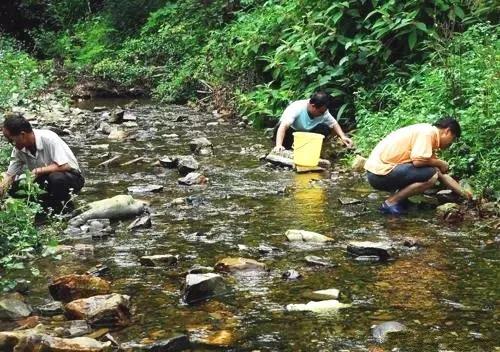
(187, 164)
(380, 331)
(199, 287)
(193, 178)
(117, 116)
(317, 261)
(170, 162)
(145, 189)
(111, 310)
(201, 146)
(348, 201)
(99, 108)
(317, 306)
(70, 287)
(291, 274)
(173, 344)
(12, 308)
(158, 260)
(447, 196)
(450, 212)
(358, 163)
(331, 293)
(117, 134)
(31, 340)
(142, 222)
(383, 250)
(121, 206)
(233, 264)
(306, 236)
(50, 309)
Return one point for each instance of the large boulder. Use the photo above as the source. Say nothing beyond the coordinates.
(199, 287)
(238, 264)
(33, 341)
(12, 307)
(70, 287)
(111, 310)
(187, 164)
(306, 236)
(121, 206)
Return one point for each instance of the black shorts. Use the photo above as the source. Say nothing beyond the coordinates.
(401, 176)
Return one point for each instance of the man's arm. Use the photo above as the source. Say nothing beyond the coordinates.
(450, 183)
(338, 130)
(435, 162)
(39, 171)
(280, 135)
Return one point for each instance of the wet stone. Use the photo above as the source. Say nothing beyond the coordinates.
(193, 178)
(98, 270)
(306, 236)
(145, 189)
(187, 164)
(449, 212)
(331, 293)
(238, 264)
(70, 287)
(128, 116)
(159, 260)
(367, 258)
(142, 222)
(78, 328)
(380, 331)
(199, 269)
(265, 249)
(383, 250)
(291, 274)
(99, 108)
(199, 287)
(50, 309)
(317, 261)
(12, 308)
(173, 344)
(447, 196)
(201, 146)
(318, 307)
(169, 162)
(348, 201)
(117, 116)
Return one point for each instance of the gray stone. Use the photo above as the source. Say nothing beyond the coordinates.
(291, 274)
(366, 248)
(99, 270)
(99, 108)
(447, 196)
(367, 258)
(78, 328)
(117, 116)
(199, 269)
(331, 293)
(50, 309)
(145, 189)
(142, 222)
(380, 331)
(306, 236)
(105, 128)
(158, 260)
(450, 212)
(187, 164)
(317, 307)
(169, 162)
(128, 116)
(173, 344)
(348, 201)
(201, 146)
(318, 261)
(193, 178)
(199, 287)
(12, 308)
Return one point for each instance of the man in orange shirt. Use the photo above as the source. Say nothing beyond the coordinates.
(405, 163)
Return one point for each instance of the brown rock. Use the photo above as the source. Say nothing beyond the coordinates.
(238, 264)
(105, 310)
(70, 287)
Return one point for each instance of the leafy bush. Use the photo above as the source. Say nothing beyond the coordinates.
(21, 75)
(460, 79)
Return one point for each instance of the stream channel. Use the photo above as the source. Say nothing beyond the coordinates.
(445, 290)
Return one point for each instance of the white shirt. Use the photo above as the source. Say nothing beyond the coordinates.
(50, 148)
(296, 116)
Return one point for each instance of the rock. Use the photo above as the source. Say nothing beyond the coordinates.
(97, 228)
(201, 146)
(317, 307)
(130, 124)
(169, 162)
(12, 308)
(238, 264)
(447, 196)
(325, 164)
(128, 116)
(117, 116)
(22, 286)
(213, 123)
(98, 270)
(314, 260)
(291, 275)
(200, 287)
(358, 163)
(199, 269)
(142, 222)
(99, 147)
(365, 248)
(380, 331)
(450, 212)
(121, 206)
(50, 309)
(158, 260)
(145, 189)
(265, 249)
(348, 201)
(78, 328)
(70, 287)
(331, 293)
(193, 178)
(490, 208)
(173, 344)
(186, 165)
(367, 258)
(111, 310)
(104, 128)
(306, 236)
(117, 134)
(99, 108)
(31, 341)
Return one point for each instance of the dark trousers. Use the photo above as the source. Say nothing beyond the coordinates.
(401, 176)
(288, 139)
(60, 186)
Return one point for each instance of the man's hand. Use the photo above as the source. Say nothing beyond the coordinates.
(443, 166)
(278, 149)
(467, 194)
(348, 142)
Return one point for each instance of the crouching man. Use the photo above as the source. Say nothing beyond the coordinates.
(50, 160)
(404, 163)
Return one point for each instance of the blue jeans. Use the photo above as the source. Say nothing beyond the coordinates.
(401, 176)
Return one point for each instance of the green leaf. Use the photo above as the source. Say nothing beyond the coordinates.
(412, 39)
(458, 11)
(421, 26)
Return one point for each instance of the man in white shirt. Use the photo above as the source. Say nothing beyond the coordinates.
(47, 156)
(308, 115)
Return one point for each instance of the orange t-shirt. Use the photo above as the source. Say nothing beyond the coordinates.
(415, 142)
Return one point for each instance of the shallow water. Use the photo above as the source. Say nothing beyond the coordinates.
(446, 292)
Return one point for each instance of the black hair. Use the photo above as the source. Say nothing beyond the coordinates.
(15, 123)
(451, 123)
(320, 99)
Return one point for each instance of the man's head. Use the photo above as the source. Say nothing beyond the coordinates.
(18, 131)
(449, 130)
(318, 103)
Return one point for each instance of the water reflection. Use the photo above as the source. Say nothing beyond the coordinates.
(309, 199)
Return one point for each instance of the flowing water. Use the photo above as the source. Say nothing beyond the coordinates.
(445, 292)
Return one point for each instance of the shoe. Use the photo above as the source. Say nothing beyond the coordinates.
(394, 209)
